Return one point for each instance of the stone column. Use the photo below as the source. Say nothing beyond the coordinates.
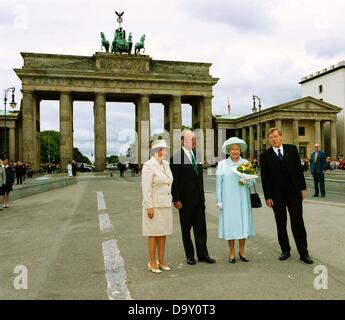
(100, 131)
(251, 142)
(12, 144)
(279, 124)
(208, 157)
(267, 128)
(36, 166)
(143, 128)
(245, 138)
(259, 136)
(333, 138)
(175, 124)
(295, 135)
(66, 146)
(20, 143)
(322, 137)
(317, 133)
(28, 132)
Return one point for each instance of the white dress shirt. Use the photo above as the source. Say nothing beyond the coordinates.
(187, 152)
(281, 150)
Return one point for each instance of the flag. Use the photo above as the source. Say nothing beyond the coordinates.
(229, 107)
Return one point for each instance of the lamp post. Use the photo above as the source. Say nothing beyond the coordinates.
(12, 105)
(254, 107)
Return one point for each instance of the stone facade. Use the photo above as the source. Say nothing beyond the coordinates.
(301, 121)
(117, 78)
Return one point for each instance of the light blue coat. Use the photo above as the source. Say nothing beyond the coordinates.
(235, 218)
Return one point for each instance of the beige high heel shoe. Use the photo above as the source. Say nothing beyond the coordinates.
(153, 270)
(164, 268)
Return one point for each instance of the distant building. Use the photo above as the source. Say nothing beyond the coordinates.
(301, 121)
(329, 85)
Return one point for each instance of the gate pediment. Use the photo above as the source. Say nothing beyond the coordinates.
(107, 62)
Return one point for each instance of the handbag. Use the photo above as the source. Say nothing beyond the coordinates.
(255, 199)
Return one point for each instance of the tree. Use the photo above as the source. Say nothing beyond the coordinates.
(113, 159)
(50, 148)
(79, 157)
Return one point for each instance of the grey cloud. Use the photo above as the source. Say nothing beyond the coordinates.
(325, 46)
(244, 15)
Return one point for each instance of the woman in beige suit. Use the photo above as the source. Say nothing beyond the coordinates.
(157, 204)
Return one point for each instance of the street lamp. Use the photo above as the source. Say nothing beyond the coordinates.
(12, 105)
(254, 107)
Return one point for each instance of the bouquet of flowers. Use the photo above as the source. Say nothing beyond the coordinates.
(245, 171)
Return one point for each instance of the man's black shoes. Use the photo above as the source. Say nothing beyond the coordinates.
(191, 261)
(207, 259)
(284, 256)
(307, 259)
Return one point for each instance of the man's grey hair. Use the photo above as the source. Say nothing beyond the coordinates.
(185, 131)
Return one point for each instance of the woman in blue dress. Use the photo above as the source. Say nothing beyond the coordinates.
(233, 200)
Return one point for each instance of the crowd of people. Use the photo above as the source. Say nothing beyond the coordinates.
(332, 163)
(11, 172)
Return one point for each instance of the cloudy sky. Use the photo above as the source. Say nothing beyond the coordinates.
(260, 47)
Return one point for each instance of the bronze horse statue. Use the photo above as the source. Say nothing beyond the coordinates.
(140, 45)
(105, 43)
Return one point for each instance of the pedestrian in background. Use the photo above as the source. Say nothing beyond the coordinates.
(9, 182)
(69, 169)
(2, 182)
(318, 166)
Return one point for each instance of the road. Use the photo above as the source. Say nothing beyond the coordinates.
(84, 242)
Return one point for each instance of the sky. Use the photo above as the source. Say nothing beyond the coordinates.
(261, 47)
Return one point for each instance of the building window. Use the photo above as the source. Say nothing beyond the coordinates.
(320, 88)
(301, 131)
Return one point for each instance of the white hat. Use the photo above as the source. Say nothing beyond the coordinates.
(234, 140)
(158, 144)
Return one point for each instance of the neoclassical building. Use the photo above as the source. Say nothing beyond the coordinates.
(301, 121)
(141, 80)
(100, 78)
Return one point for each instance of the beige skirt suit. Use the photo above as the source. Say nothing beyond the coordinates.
(156, 186)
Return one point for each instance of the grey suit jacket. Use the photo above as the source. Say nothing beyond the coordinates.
(2, 175)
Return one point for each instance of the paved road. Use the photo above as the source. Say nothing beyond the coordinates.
(57, 236)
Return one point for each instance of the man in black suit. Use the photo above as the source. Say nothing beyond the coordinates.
(189, 198)
(318, 166)
(284, 187)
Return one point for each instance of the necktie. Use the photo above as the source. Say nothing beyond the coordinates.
(193, 162)
(280, 156)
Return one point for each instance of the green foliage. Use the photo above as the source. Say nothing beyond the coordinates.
(113, 159)
(79, 157)
(50, 145)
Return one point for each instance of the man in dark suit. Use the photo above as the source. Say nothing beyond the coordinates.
(318, 166)
(284, 187)
(189, 198)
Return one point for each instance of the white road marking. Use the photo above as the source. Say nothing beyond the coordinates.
(104, 222)
(115, 273)
(100, 201)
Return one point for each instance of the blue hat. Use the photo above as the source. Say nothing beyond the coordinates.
(234, 140)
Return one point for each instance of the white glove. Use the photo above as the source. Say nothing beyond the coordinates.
(244, 181)
(220, 206)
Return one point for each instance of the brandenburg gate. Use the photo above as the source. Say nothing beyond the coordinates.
(111, 77)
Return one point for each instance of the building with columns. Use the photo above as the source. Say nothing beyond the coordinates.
(328, 85)
(13, 133)
(301, 121)
(109, 77)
